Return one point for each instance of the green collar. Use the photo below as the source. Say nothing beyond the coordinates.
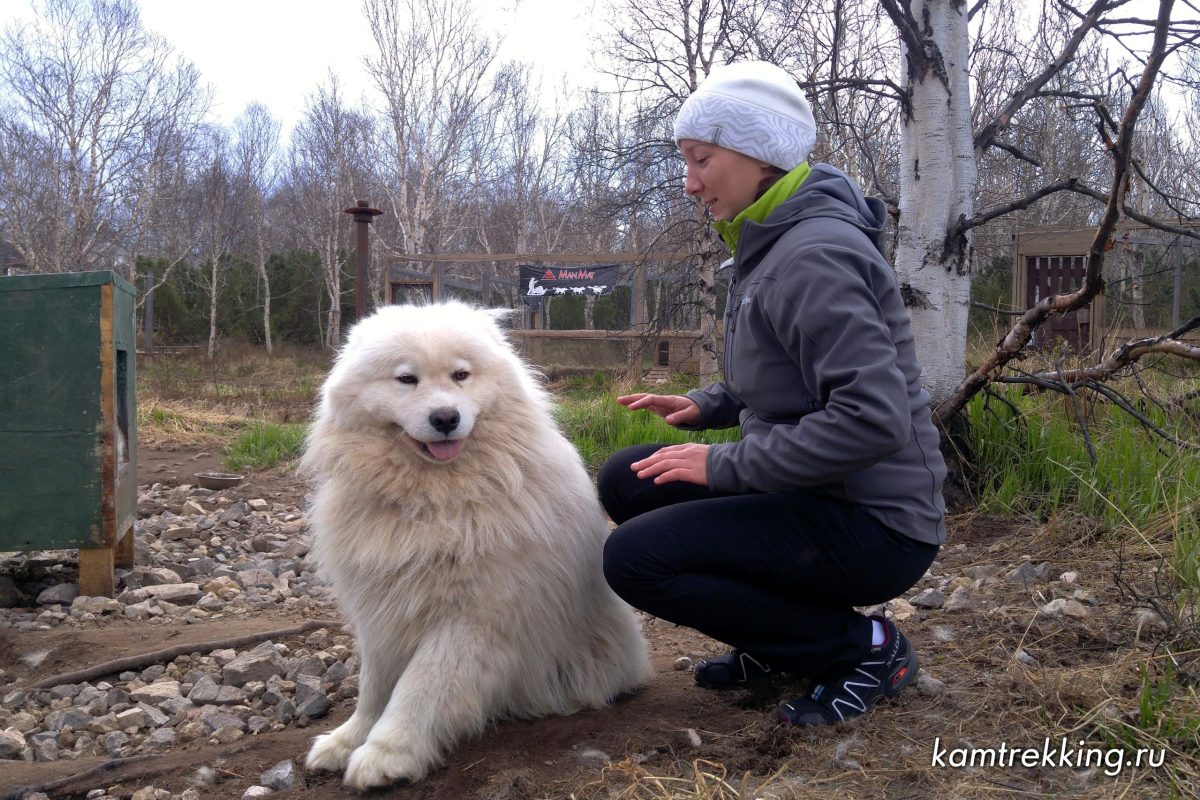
(761, 208)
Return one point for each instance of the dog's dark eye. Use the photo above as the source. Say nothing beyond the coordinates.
(460, 375)
(409, 379)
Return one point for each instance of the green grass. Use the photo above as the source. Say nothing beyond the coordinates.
(599, 426)
(264, 445)
(1037, 462)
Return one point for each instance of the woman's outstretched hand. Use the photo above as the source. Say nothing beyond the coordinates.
(675, 462)
(675, 409)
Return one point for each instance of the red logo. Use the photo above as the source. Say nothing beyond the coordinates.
(549, 276)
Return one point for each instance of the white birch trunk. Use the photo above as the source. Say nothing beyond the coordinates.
(938, 173)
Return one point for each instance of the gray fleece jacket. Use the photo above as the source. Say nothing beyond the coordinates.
(821, 370)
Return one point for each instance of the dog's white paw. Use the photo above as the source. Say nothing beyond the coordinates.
(329, 752)
(377, 765)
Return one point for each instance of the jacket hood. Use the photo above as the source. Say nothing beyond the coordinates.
(828, 193)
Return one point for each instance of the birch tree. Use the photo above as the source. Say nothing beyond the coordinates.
(326, 171)
(663, 50)
(94, 106)
(216, 215)
(257, 144)
(431, 69)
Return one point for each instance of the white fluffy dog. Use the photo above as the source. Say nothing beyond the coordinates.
(463, 538)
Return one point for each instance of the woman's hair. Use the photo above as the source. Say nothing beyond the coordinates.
(769, 181)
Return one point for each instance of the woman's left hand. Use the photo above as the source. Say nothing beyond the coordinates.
(675, 462)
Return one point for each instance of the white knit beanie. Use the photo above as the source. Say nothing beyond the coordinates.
(754, 108)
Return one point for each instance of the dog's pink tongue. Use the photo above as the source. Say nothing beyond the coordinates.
(444, 451)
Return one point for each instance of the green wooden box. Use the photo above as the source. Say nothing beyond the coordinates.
(68, 420)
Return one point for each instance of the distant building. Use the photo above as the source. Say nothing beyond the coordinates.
(1150, 282)
(11, 262)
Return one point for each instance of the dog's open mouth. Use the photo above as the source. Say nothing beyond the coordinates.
(443, 450)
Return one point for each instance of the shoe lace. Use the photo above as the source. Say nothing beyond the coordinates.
(855, 689)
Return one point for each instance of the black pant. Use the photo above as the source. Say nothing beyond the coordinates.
(774, 574)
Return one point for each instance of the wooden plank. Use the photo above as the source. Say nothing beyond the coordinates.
(544, 258)
(96, 572)
(123, 554)
(551, 334)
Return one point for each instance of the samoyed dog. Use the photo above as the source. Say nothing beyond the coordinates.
(463, 539)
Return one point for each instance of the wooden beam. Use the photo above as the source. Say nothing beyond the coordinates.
(548, 334)
(537, 258)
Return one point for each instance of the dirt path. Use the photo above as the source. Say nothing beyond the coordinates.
(1002, 673)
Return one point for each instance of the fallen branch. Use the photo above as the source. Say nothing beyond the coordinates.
(99, 769)
(159, 656)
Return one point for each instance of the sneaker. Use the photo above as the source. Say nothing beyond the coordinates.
(734, 670)
(889, 668)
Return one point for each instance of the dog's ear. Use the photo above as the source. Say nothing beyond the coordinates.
(501, 316)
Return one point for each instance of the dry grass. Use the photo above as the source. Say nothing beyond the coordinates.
(1011, 676)
(1100, 681)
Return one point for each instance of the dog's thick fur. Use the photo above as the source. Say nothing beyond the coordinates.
(469, 559)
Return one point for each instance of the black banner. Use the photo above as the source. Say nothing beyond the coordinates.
(539, 282)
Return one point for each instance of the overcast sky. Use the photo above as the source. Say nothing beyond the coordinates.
(278, 51)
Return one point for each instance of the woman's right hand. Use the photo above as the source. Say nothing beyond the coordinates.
(675, 409)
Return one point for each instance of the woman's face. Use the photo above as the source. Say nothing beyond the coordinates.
(725, 181)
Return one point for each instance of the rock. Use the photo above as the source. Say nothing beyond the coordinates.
(1085, 596)
(10, 595)
(680, 664)
(929, 598)
(900, 609)
(1026, 575)
(15, 699)
(96, 605)
(338, 671)
(1064, 608)
(259, 664)
(960, 600)
(282, 776)
(150, 793)
(131, 718)
(307, 686)
(216, 719)
(694, 738)
(76, 718)
(313, 707)
(176, 707)
(1069, 577)
(1026, 659)
(929, 685)
(157, 576)
(62, 594)
(257, 791)
(180, 532)
(114, 742)
(177, 593)
(12, 743)
(250, 578)
(159, 739)
(204, 690)
(45, 750)
(157, 692)
(258, 504)
(192, 509)
(228, 733)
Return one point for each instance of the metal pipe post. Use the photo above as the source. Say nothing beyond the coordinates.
(363, 214)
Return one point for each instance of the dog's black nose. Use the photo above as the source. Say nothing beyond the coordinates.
(444, 420)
